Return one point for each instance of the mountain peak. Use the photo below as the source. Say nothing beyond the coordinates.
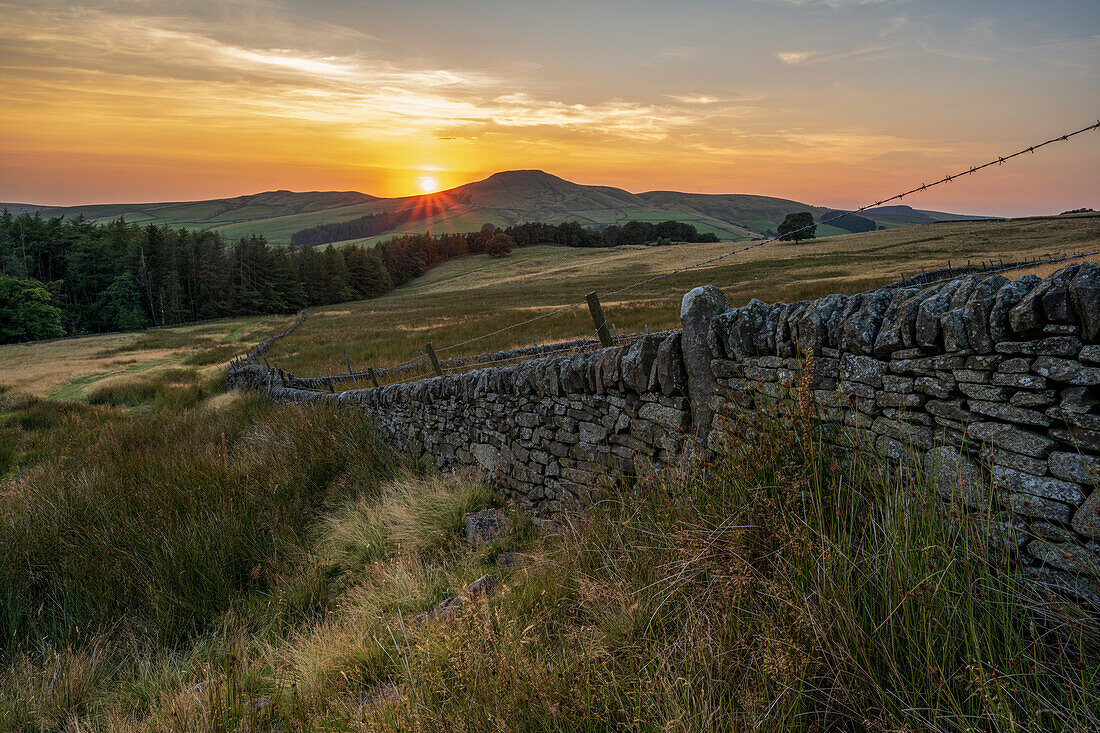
(528, 175)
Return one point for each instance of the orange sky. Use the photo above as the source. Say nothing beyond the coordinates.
(831, 102)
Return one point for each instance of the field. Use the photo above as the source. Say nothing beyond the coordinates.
(177, 558)
(463, 299)
(68, 368)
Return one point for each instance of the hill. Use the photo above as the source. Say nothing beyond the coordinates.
(509, 197)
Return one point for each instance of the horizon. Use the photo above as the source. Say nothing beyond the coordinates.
(432, 193)
(834, 103)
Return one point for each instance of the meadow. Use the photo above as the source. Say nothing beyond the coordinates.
(177, 558)
(467, 298)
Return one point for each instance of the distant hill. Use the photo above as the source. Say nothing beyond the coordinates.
(510, 197)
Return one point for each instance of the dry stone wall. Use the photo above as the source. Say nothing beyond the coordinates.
(992, 386)
(546, 430)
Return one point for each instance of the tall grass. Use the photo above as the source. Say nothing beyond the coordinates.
(246, 569)
(161, 524)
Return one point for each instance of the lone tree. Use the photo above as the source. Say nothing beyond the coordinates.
(797, 226)
(499, 245)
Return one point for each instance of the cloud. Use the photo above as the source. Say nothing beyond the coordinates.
(834, 4)
(694, 98)
(812, 58)
(193, 70)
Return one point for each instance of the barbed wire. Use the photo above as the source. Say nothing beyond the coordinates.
(770, 240)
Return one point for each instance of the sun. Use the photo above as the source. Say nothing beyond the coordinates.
(426, 184)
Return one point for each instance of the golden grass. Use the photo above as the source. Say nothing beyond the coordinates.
(69, 368)
(466, 298)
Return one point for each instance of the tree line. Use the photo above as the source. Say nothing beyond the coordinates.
(569, 234)
(72, 276)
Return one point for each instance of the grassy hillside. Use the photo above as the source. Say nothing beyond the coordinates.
(176, 558)
(211, 563)
(512, 197)
(465, 298)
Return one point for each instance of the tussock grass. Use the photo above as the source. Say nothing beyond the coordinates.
(157, 576)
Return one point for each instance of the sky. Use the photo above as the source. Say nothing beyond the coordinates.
(831, 102)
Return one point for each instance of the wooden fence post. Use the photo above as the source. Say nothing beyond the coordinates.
(435, 362)
(373, 377)
(598, 319)
(348, 362)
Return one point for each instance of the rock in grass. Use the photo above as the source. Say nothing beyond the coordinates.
(485, 526)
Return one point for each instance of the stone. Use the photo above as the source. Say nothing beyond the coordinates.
(1010, 438)
(954, 331)
(667, 417)
(1027, 505)
(927, 330)
(1008, 459)
(955, 477)
(1020, 381)
(1078, 587)
(1077, 467)
(671, 376)
(1079, 438)
(863, 369)
(949, 409)
(1066, 371)
(1007, 298)
(1009, 413)
(1084, 297)
(817, 323)
(1056, 301)
(1046, 487)
(898, 399)
(1066, 556)
(1086, 520)
(1090, 354)
(592, 433)
(970, 375)
(485, 526)
(983, 392)
(1052, 346)
(975, 314)
(1017, 365)
(697, 311)
(891, 383)
(1042, 398)
(933, 387)
(489, 457)
(637, 363)
(896, 323)
(859, 328)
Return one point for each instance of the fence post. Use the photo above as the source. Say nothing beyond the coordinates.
(435, 361)
(373, 377)
(348, 362)
(598, 319)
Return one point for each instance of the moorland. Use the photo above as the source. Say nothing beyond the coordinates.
(174, 557)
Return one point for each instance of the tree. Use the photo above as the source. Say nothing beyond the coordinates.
(27, 311)
(499, 245)
(797, 226)
(120, 304)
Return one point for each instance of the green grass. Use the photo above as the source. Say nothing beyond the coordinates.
(469, 297)
(235, 567)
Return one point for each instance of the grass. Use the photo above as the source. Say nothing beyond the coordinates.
(241, 568)
(67, 369)
(476, 295)
(174, 558)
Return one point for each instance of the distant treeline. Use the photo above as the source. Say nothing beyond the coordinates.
(70, 276)
(848, 221)
(570, 234)
(65, 277)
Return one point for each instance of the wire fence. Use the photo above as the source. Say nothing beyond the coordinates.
(488, 359)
